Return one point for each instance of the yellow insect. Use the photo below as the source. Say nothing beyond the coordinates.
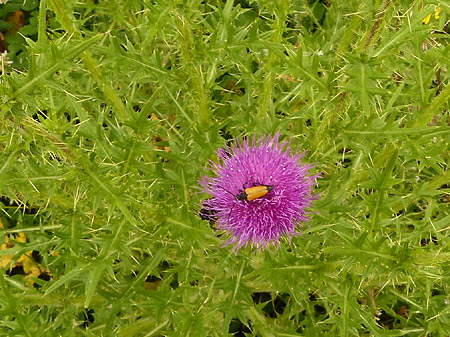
(255, 192)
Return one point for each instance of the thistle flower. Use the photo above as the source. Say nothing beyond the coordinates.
(277, 204)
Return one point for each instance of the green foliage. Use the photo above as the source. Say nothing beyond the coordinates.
(106, 131)
(18, 22)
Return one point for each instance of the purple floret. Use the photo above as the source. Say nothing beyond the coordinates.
(264, 161)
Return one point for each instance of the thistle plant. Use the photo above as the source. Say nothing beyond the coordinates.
(265, 162)
(110, 111)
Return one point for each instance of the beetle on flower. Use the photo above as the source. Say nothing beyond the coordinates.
(260, 191)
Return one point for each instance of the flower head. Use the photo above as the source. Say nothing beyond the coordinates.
(260, 191)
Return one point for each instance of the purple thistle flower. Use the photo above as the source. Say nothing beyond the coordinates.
(286, 183)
